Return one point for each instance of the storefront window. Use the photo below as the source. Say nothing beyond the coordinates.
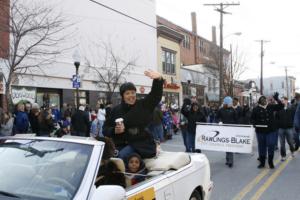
(171, 98)
(82, 97)
(46, 99)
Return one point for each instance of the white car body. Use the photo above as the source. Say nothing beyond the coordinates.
(169, 185)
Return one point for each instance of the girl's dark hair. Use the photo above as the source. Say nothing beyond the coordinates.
(102, 106)
(109, 148)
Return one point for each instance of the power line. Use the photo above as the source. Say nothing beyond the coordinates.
(121, 13)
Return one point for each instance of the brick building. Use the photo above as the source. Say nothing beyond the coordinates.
(196, 50)
(168, 57)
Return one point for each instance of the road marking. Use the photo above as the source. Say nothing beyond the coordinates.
(270, 180)
(254, 182)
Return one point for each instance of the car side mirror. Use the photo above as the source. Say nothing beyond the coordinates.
(109, 192)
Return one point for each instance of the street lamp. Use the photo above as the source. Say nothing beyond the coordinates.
(76, 59)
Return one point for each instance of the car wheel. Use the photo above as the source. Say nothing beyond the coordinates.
(195, 195)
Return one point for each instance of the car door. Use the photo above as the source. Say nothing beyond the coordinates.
(158, 188)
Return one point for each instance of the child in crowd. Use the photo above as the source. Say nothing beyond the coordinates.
(62, 131)
(67, 123)
(93, 115)
(136, 169)
(175, 121)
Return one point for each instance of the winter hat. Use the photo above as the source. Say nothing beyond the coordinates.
(261, 99)
(227, 100)
(126, 86)
(35, 106)
(187, 101)
(81, 108)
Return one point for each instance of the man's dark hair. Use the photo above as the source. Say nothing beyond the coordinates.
(102, 106)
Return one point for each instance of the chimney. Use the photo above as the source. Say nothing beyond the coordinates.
(194, 22)
(214, 35)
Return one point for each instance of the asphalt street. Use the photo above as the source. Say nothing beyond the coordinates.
(244, 180)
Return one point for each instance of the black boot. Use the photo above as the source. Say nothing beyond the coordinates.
(270, 161)
(262, 161)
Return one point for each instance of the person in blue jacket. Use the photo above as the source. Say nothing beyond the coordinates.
(21, 124)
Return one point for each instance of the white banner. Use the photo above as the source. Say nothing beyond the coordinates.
(227, 138)
(23, 93)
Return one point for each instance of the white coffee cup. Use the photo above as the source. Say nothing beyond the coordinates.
(119, 121)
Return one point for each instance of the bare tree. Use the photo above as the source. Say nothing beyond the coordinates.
(36, 31)
(111, 70)
(236, 67)
(232, 69)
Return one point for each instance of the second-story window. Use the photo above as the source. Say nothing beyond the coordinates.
(186, 41)
(169, 62)
(202, 47)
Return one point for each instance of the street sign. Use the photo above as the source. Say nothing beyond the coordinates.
(76, 81)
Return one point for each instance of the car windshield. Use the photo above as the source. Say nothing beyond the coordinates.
(39, 169)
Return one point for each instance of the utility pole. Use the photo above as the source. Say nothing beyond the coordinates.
(221, 9)
(261, 64)
(287, 83)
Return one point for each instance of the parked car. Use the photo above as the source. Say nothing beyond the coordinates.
(37, 168)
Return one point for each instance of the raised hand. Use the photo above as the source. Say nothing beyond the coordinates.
(153, 74)
(276, 96)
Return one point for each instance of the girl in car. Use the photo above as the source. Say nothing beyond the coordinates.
(136, 169)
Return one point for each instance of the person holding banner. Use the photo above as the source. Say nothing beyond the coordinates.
(227, 115)
(264, 121)
(193, 115)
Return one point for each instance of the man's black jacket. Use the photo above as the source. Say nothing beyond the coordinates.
(265, 116)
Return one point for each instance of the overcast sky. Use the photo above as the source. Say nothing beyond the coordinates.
(274, 20)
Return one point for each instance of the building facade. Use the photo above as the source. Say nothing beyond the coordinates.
(168, 54)
(94, 24)
(205, 79)
(201, 55)
(285, 86)
(193, 83)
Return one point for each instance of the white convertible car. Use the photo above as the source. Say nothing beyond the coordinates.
(35, 168)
